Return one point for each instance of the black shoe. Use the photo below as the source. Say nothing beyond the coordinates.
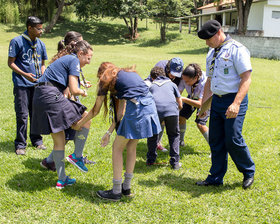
(177, 166)
(206, 183)
(247, 182)
(48, 166)
(109, 195)
(126, 192)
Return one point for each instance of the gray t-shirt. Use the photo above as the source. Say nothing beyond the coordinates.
(165, 92)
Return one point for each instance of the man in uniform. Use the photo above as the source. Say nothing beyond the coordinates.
(228, 70)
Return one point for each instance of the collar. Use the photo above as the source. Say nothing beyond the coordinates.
(25, 35)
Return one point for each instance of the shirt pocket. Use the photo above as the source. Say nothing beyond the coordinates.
(225, 65)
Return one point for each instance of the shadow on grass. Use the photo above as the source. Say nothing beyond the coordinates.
(193, 51)
(157, 42)
(7, 146)
(95, 32)
(162, 157)
(181, 183)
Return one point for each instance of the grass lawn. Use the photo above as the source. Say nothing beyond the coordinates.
(162, 195)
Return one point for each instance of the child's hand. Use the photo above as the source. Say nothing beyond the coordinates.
(105, 139)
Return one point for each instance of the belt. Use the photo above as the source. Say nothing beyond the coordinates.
(225, 95)
(44, 84)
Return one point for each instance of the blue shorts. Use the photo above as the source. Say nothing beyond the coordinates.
(187, 112)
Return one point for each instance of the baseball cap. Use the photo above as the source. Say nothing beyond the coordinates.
(176, 67)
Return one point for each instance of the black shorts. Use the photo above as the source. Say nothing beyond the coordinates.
(187, 112)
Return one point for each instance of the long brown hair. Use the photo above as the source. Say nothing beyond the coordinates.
(107, 75)
(73, 47)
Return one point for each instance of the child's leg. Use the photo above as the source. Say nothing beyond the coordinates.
(58, 154)
(152, 149)
(173, 133)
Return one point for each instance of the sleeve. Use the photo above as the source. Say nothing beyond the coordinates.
(13, 48)
(176, 91)
(181, 86)
(241, 60)
(74, 67)
(44, 52)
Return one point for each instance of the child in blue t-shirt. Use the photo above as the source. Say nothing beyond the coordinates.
(168, 102)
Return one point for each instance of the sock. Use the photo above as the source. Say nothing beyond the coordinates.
(206, 136)
(117, 186)
(58, 157)
(183, 128)
(80, 140)
(127, 180)
(50, 158)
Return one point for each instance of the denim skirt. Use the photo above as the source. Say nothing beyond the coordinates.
(52, 112)
(140, 119)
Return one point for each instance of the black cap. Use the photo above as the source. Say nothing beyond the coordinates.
(209, 29)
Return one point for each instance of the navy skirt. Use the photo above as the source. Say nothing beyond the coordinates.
(140, 119)
(52, 112)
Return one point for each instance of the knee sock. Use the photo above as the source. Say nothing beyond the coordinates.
(50, 158)
(183, 128)
(80, 140)
(58, 157)
(127, 180)
(206, 136)
(117, 186)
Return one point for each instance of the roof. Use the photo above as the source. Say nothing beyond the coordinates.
(222, 2)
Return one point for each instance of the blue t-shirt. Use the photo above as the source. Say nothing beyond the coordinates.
(21, 49)
(130, 85)
(60, 70)
(165, 93)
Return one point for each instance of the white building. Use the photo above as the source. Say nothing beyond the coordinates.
(264, 17)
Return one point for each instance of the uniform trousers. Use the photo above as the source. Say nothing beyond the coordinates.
(225, 137)
(173, 133)
(23, 97)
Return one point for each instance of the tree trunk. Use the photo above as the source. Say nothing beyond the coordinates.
(163, 30)
(56, 16)
(135, 27)
(243, 9)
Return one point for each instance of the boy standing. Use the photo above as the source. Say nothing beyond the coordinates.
(168, 102)
(27, 55)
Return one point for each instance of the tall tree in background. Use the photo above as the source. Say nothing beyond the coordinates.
(60, 6)
(243, 9)
(128, 10)
(166, 9)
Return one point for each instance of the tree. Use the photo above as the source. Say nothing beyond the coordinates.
(128, 10)
(166, 9)
(243, 9)
(60, 4)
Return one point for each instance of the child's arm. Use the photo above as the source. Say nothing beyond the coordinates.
(179, 101)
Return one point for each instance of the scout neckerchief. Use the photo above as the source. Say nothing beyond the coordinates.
(34, 55)
(217, 50)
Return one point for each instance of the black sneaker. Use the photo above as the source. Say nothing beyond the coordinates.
(48, 166)
(109, 195)
(126, 192)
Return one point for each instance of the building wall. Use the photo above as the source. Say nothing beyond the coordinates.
(261, 47)
(273, 2)
(271, 23)
(256, 15)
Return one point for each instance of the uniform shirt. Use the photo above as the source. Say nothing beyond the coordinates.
(165, 93)
(60, 69)
(130, 85)
(162, 64)
(199, 89)
(232, 60)
(20, 48)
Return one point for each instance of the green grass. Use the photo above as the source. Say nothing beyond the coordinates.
(162, 195)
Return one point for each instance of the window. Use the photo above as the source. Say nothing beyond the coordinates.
(276, 14)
